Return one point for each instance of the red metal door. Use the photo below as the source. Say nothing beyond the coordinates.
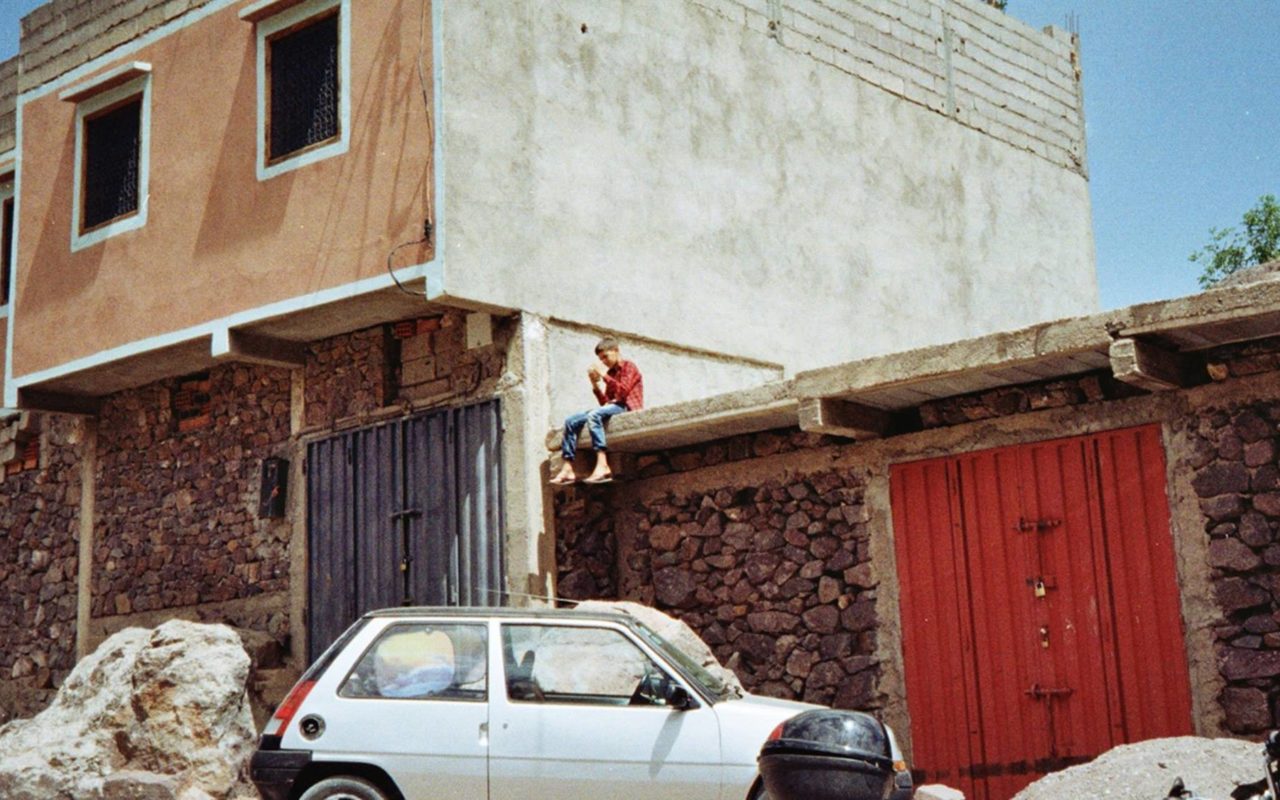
(1036, 582)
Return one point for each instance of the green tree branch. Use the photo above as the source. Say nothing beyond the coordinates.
(1230, 249)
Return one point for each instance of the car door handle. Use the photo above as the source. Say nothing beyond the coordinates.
(484, 734)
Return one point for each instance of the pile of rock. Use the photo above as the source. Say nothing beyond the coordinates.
(674, 631)
(1210, 768)
(160, 714)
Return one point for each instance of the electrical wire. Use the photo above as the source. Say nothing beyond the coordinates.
(428, 200)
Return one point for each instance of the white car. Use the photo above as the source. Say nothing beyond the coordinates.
(515, 704)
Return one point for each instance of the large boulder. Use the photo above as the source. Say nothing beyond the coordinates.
(1211, 768)
(674, 631)
(159, 713)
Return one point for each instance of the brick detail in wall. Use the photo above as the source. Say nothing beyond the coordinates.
(177, 511)
(1237, 481)
(775, 577)
(39, 515)
(437, 367)
(417, 363)
(965, 60)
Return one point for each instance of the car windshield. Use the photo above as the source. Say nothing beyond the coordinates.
(709, 682)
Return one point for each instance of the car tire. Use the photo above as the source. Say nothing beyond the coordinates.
(343, 788)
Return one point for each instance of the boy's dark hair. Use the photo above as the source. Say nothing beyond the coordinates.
(607, 343)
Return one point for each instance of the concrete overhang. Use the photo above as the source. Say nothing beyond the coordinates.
(279, 340)
(1154, 346)
(772, 405)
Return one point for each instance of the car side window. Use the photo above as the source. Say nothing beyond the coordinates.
(574, 664)
(423, 661)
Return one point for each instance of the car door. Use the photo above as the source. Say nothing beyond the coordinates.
(580, 714)
(415, 704)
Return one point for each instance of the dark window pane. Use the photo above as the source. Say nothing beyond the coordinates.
(304, 86)
(112, 149)
(6, 256)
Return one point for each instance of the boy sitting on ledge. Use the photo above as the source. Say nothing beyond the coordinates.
(618, 387)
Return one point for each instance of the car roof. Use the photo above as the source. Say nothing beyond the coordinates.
(504, 612)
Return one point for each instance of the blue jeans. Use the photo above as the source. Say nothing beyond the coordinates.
(594, 420)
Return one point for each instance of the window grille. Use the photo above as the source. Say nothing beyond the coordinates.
(6, 249)
(112, 152)
(304, 86)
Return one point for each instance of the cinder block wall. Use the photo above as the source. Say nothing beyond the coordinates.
(61, 35)
(965, 60)
(8, 103)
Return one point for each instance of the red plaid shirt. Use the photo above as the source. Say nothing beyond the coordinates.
(623, 385)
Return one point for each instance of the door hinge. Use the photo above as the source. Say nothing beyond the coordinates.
(1025, 525)
(1038, 692)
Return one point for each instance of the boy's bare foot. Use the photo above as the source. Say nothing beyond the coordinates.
(598, 477)
(565, 475)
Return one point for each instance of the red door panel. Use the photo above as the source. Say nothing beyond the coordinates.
(941, 633)
(1036, 583)
(1150, 643)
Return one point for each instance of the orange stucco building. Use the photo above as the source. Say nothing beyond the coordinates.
(219, 243)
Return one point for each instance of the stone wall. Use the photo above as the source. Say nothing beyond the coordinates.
(39, 520)
(177, 510)
(1236, 477)
(1007, 401)
(775, 575)
(728, 450)
(348, 376)
(696, 531)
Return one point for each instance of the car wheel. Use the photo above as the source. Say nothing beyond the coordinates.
(343, 788)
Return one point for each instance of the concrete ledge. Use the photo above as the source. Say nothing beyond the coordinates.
(764, 408)
(856, 399)
(1051, 340)
(1211, 318)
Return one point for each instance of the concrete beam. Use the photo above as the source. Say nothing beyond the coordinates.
(255, 348)
(1148, 367)
(844, 418)
(985, 353)
(1227, 305)
(59, 403)
(750, 411)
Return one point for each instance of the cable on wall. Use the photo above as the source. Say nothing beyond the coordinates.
(428, 224)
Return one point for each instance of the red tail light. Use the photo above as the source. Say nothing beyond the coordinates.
(777, 733)
(280, 719)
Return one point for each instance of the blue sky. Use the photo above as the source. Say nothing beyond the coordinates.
(1183, 111)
